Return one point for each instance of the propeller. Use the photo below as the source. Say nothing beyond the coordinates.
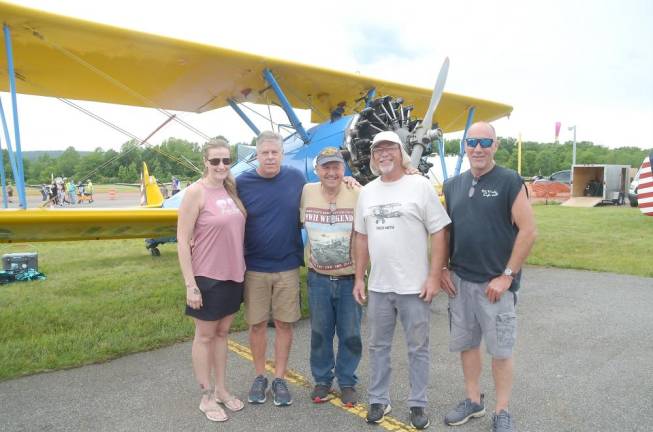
(427, 121)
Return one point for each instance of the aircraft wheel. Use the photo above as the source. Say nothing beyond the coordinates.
(155, 252)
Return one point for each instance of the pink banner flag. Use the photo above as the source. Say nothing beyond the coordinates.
(557, 130)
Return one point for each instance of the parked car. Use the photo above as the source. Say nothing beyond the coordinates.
(632, 189)
(563, 176)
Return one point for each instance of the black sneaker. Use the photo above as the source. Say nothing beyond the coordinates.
(321, 393)
(258, 390)
(348, 396)
(280, 393)
(418, 418)
(376, 412)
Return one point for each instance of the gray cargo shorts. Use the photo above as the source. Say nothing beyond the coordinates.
(472, 316)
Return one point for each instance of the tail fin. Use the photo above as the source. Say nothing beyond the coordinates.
(150, 194)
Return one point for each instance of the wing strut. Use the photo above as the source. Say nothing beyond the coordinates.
(294, 120)
(461, 155)
(243, 116)
(17, 165)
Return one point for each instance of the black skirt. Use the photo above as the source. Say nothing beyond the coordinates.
(219, 299)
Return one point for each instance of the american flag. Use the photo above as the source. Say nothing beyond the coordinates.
(645, 187)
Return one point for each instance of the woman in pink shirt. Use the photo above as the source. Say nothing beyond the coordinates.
(210, 235)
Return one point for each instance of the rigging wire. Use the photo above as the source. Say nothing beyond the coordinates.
(112, 80)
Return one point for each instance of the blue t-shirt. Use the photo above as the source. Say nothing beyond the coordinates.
(273, 241)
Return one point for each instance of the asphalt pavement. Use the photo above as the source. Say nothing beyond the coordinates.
(583, 362)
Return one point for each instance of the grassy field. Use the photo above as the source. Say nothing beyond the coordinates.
(609, 239)
(103, 299)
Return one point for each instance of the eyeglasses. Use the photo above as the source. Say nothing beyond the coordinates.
(472, 189)
(484, 142)
(379, 151)
(216, 161)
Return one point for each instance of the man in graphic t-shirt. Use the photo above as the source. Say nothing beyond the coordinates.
(397, 217)
(327, 212)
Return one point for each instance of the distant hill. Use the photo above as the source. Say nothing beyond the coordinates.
(35, 154)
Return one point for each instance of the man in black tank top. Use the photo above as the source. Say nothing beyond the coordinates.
(491, 234)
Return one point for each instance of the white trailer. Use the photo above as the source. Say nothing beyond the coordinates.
(592, 185)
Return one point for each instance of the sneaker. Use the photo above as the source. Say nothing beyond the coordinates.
(418, 418)
(376, 412)
(348, 396)
(258, 390)
(321, 393)
(502, 422)
(464, 411)
(280, 393)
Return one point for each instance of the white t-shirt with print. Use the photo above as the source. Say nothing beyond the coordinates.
(398, 218)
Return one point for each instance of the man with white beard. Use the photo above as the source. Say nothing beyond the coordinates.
(396, 217)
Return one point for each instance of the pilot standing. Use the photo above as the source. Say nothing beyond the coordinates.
(397, 217)
(327, 212)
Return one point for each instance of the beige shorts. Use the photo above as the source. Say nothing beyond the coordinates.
(276, 291)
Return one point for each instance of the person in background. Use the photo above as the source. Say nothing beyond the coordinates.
(210, 235)
(89, 190)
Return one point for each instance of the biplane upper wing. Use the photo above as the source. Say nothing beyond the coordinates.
(66, 57)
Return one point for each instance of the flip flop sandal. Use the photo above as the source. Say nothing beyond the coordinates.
(232, 404)
(216, 414)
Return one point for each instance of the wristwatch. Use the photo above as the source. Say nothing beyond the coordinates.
(508, 272)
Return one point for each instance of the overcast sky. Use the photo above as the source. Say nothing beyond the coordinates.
(584, 63)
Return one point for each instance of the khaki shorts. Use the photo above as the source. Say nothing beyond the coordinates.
(276, 291)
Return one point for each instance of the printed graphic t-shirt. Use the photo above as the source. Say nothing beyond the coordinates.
(398, 218)
(329, 229)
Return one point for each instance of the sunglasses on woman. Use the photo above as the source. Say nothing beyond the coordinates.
(216, 161)
(484, 142)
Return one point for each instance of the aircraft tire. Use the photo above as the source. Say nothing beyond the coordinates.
(155, 251)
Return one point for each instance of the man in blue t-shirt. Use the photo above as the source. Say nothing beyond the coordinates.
(273, 253)
(491, 234)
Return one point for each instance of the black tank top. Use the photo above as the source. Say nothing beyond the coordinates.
(482, 231)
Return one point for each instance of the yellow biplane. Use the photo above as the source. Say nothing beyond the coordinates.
(64, 57)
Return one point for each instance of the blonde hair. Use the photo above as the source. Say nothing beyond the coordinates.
(230, 181)
(405, 161)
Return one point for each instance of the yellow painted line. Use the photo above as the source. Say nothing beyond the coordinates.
(388, 423)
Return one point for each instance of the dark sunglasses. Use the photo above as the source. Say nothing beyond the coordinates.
(484, 142)
(216, 161)
(473, 188)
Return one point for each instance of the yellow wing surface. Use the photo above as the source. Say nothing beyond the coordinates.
(86, 224)
(66, 57)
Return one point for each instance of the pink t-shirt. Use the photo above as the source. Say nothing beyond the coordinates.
(218, 238)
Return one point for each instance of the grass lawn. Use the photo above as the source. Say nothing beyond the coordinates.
(103, 299)
(609, 239)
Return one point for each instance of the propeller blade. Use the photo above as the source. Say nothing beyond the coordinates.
(427, 121)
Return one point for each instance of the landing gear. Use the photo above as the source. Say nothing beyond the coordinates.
(155, 251)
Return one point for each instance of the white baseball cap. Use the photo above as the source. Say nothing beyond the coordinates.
(388, 136)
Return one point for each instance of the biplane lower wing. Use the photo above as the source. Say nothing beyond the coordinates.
(85, 224)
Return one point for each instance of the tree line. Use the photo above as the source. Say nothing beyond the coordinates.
(175, 157)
